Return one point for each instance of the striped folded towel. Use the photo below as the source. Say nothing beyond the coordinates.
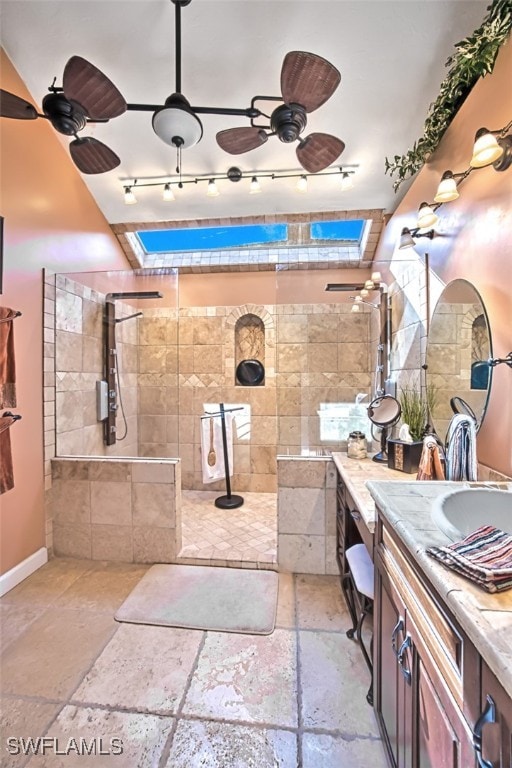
(484, 556)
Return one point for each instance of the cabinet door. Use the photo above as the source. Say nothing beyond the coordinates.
(495, 726)
(389, 634)
(443, 738)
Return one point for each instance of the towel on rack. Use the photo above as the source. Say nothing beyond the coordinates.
(242, 419)
(461, 448)
(484, 557)
(7, 366)
(6, 470)
(217, 471)
(430, 466)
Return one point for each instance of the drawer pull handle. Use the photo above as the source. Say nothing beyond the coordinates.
(407, 643)
(487, 716)
(355, 514)
(398, 628)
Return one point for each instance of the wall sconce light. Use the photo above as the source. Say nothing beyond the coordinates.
(407, 237)
(376, 277)
(447, 189)
(488, 150)
(426, 216)
(168, 194)
(355, 308)
(212, 190)
(129, 196)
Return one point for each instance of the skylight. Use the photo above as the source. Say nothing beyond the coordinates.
(211, 238)
(343, 229)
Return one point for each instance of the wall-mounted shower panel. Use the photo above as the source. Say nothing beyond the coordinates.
(101, 400)
(110, 372)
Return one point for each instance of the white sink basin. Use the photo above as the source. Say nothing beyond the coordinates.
(461, 512)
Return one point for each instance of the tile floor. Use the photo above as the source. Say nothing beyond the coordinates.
(179, 698)
(246, 536)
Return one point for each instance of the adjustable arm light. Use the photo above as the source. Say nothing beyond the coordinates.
(233, 174)
(407, 237)
(490, 148)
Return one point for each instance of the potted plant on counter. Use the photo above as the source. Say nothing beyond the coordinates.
(417, 409)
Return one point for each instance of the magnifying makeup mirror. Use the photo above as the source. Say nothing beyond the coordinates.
(384, 412)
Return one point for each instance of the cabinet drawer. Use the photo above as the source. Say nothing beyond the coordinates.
(441, 638)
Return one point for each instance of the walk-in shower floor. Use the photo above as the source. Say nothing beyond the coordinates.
(243, 537)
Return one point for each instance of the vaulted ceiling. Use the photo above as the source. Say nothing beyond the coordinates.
(391, 55)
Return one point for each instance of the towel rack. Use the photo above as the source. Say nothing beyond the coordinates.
(8, 319)
(230, 500)
(9, 415)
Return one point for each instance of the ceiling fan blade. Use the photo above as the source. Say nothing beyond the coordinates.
(84, 83)
(92, 156)
(239, 140)
(308, 79)
(16, 107)
(318, 150)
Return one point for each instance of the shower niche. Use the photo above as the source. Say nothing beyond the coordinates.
(250, 351)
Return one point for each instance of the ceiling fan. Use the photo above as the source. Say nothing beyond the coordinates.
(87, 95)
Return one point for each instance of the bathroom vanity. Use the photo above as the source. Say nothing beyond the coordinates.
(442, 646)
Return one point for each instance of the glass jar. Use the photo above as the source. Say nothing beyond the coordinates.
(356, 445)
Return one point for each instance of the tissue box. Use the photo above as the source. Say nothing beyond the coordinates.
(404, 456)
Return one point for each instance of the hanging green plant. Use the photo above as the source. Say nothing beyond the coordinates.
(475, 57)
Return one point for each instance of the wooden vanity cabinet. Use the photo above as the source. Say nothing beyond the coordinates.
(420, 657)
(494, 726)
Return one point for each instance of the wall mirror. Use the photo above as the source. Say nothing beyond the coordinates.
(458, 349)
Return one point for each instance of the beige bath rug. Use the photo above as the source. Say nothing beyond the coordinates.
(203, 597)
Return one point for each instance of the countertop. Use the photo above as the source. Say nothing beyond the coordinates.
(485, 618)
(355, 473)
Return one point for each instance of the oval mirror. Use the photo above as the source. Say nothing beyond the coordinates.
(458, 349)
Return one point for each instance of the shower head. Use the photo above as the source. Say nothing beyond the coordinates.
(134, 295)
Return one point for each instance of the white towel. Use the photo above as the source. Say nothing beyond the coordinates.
(217, 471)
(242, 420)
(461, 463)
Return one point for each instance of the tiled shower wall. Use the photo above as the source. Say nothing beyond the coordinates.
(171, 366)
(79, 365)
(313, 353)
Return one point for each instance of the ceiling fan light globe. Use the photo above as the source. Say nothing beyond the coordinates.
(176, 124)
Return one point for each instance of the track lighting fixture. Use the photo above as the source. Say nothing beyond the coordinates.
(168, 194)
(302, 184)
(255, 186)
(212, 190)
(346, 181)
(233, 174)
(129, 196)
